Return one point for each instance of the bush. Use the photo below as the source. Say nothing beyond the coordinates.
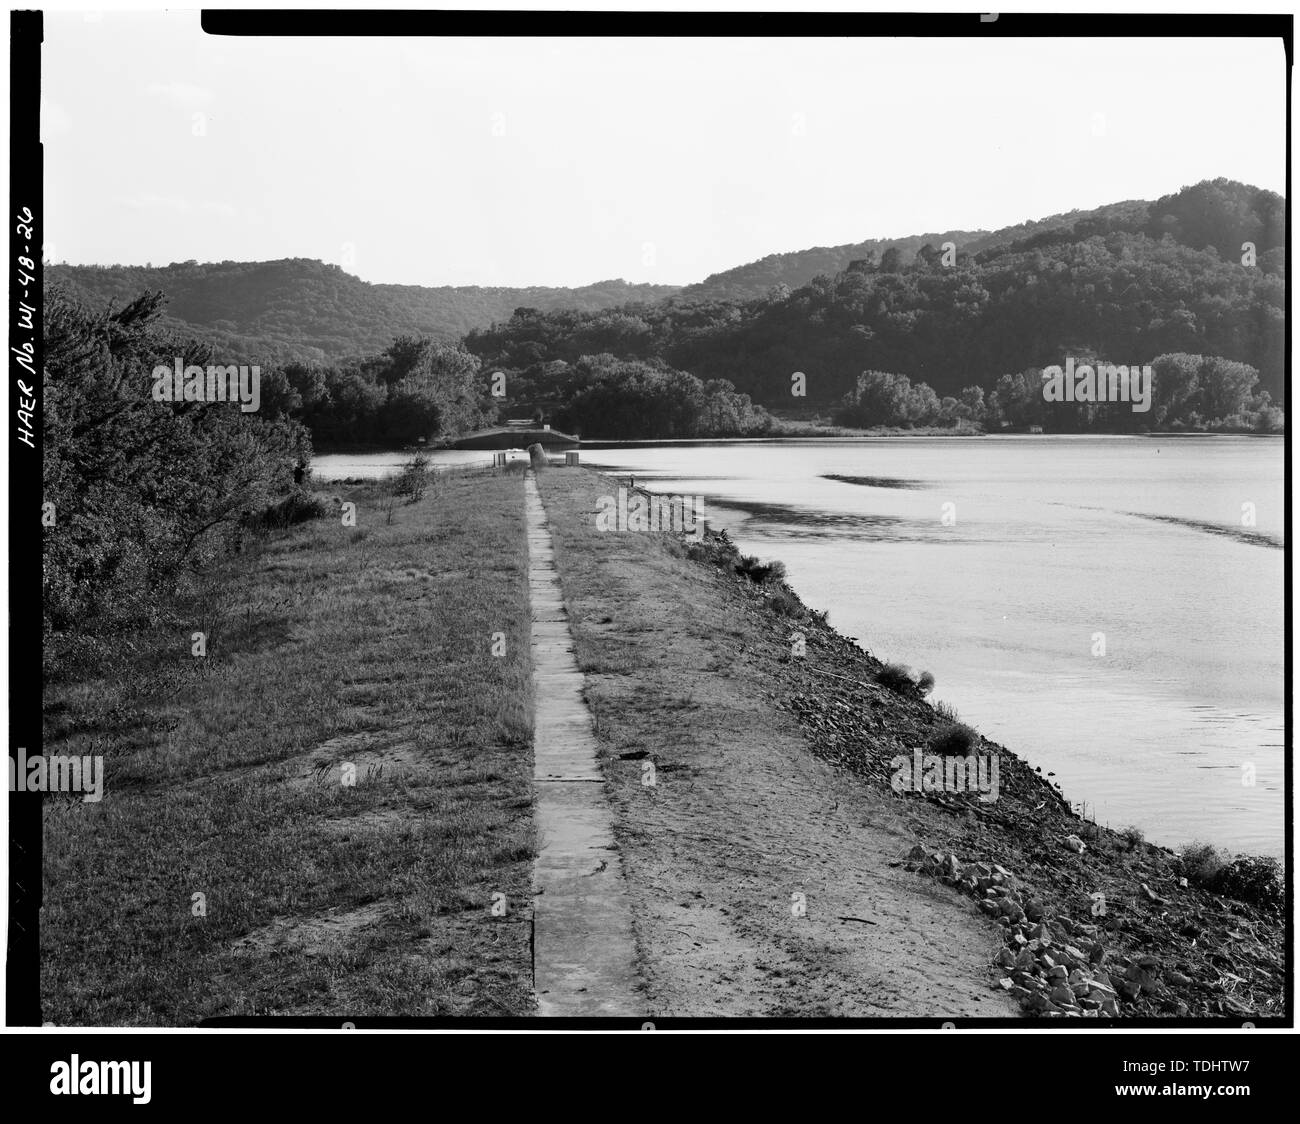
(925, 683)
(956, 740)
(761, 573)
(1133, 837)
(1256, 879)
(896, 677)
(413, 479)
(297, 507)
(148, 494)
(1202, 863)
(785, 603)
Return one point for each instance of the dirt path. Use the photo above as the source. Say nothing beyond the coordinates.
(584, 959)
(761, 879)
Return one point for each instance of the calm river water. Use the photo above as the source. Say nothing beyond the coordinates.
(1100, 605)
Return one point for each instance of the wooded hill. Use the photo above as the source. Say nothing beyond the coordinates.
(1123, 283)
(306, 310)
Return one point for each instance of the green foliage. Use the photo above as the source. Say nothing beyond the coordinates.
(881, 398)
(793, 270)
(414, 478)
(925, 683)
(1256, 879)
(896, 677)
(298, 506)
(956, 740)
(760, 573)
(1132, 836)
(897, 333)
(784, 602)
(1115, 283)
(416, 389)
(145, 493)
(1202, 863)
(601, 396)
(297, 310)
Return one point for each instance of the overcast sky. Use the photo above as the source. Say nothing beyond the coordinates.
(567, 161)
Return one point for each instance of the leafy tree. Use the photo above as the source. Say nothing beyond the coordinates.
(146, 493)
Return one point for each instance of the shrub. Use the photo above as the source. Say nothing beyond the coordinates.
(1202, 863)
(1132, 836)
(413, 479)
(1256, 879)
(760, 573)
(955, 740)
(297, 507)
(896, 677)
(1253, 878)
(785, 603)
(149, 494)
(925, 683)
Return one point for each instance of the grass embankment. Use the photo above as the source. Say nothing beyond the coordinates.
(774, 776)
(327, 645)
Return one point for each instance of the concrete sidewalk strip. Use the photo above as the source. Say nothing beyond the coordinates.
(584, 954)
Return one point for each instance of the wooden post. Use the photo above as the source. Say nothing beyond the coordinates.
(570, 458)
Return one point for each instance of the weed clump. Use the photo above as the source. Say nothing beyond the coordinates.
(956, 740)
(297, 507)
(760, 573)
(1132, 837)
(947, 711)
(896, 677)
(1202, 863)
(1255, 879)
(786, 603)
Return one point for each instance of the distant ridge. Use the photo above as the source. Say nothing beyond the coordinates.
(756, 278)
(303, 309)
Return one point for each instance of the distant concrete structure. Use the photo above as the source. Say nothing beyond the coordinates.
(514, 437)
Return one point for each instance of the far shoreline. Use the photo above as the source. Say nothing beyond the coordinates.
(771, 439)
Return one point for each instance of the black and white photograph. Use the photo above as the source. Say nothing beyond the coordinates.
(649, 521)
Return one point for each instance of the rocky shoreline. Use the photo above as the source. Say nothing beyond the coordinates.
(1098, 924)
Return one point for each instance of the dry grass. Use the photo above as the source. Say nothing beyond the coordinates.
(329, 645)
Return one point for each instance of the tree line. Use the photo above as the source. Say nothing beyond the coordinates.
(1195, 393)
